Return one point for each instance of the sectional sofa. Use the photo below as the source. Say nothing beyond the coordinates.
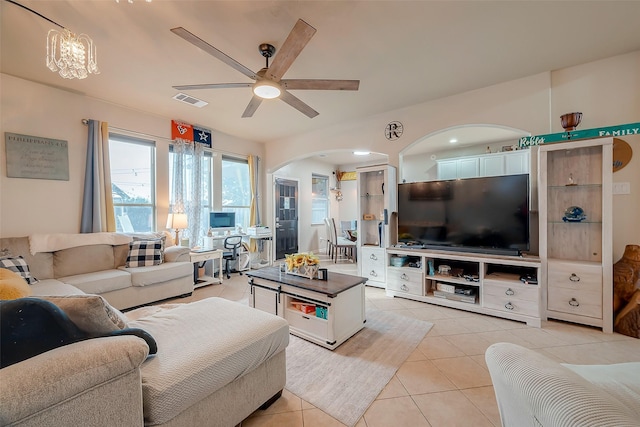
(95, 263)
(217, 361)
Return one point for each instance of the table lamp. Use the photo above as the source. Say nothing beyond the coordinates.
(177, 221)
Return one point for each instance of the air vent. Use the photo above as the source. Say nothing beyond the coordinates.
(190, 100)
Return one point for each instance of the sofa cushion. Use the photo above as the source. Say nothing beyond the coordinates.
(19, 265)
(144, 253)
(91, 313)
(12, 285)
(194, 362)
(40, 264)
(144, 276)
(54, 287)
(82, 259)
(100, 281)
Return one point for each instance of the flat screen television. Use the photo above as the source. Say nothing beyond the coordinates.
(222, 220)
(484, 215)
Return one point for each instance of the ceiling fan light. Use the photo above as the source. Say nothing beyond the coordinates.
(266, 89)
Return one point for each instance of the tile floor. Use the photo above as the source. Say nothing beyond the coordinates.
(445, 381)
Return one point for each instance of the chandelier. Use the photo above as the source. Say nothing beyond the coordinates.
(74, 57)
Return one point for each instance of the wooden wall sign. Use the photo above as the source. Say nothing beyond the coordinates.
(36, 158)
(622, 154)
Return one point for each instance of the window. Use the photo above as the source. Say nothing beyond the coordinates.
(319, 198)
(205, 180)
(133, 183)
(236, 189)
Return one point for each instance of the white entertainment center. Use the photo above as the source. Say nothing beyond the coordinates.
(570, 280)
(497, 284)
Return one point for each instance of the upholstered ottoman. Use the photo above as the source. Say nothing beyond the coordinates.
(217, 362)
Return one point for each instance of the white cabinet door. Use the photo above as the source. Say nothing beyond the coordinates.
(448, 169)
(492, 165)
(517, 162)
(468, 167)
(265, 299)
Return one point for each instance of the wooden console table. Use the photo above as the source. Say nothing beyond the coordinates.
(325, 312)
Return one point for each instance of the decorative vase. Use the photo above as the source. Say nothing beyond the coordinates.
(570, 121)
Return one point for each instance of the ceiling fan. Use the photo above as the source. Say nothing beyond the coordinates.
(268, 81)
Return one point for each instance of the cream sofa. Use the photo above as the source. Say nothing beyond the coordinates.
(533, 390)
(93, 263)
(217, 362)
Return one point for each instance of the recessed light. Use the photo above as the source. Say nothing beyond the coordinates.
(453, 141)
(361, 153)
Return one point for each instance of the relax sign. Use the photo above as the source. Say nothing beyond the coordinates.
(620, 130)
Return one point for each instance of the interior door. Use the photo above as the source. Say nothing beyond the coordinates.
(286, 217)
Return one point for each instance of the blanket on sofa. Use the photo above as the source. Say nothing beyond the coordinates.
(59, 241)
(31, 326)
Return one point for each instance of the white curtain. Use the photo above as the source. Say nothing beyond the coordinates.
(188, 187)
(97, 201)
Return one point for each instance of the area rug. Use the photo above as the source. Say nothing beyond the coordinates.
(344, 382)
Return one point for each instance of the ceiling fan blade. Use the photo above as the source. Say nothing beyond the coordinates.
(197, 41)
(252, 107)
(291, 48)
(298, 104)
(315, 84)
(212, 86)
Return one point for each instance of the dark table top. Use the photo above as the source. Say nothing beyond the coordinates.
(335, 283)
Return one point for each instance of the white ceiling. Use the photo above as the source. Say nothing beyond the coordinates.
(403, 52)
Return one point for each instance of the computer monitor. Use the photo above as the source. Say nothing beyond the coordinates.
(222, 221)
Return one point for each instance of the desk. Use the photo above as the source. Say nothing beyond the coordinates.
(217, 241)
(338, 303)
(201, 257)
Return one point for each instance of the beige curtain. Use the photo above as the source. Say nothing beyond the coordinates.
(97, 203)
(254, 214)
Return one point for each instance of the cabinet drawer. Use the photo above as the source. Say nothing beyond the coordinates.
(511, 290)
(510, 304)
(405, 280)
(307, 323)
(373, 265)
(375, 256)
(576, 276)
(579, 302)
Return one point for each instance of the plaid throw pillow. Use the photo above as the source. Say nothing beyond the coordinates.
(143, 253)
(17, 264)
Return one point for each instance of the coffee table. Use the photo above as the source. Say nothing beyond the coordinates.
(326, 313)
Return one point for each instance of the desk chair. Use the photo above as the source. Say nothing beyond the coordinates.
(231, 252)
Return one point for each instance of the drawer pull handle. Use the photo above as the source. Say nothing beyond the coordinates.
(574, 302)
(509, 292)
(373, 273)
(305, 317)
(373, 257)
(574, 277)
(404, 288)
(509, 306)
(404, 276)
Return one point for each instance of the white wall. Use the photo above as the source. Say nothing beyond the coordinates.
(30, 206)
